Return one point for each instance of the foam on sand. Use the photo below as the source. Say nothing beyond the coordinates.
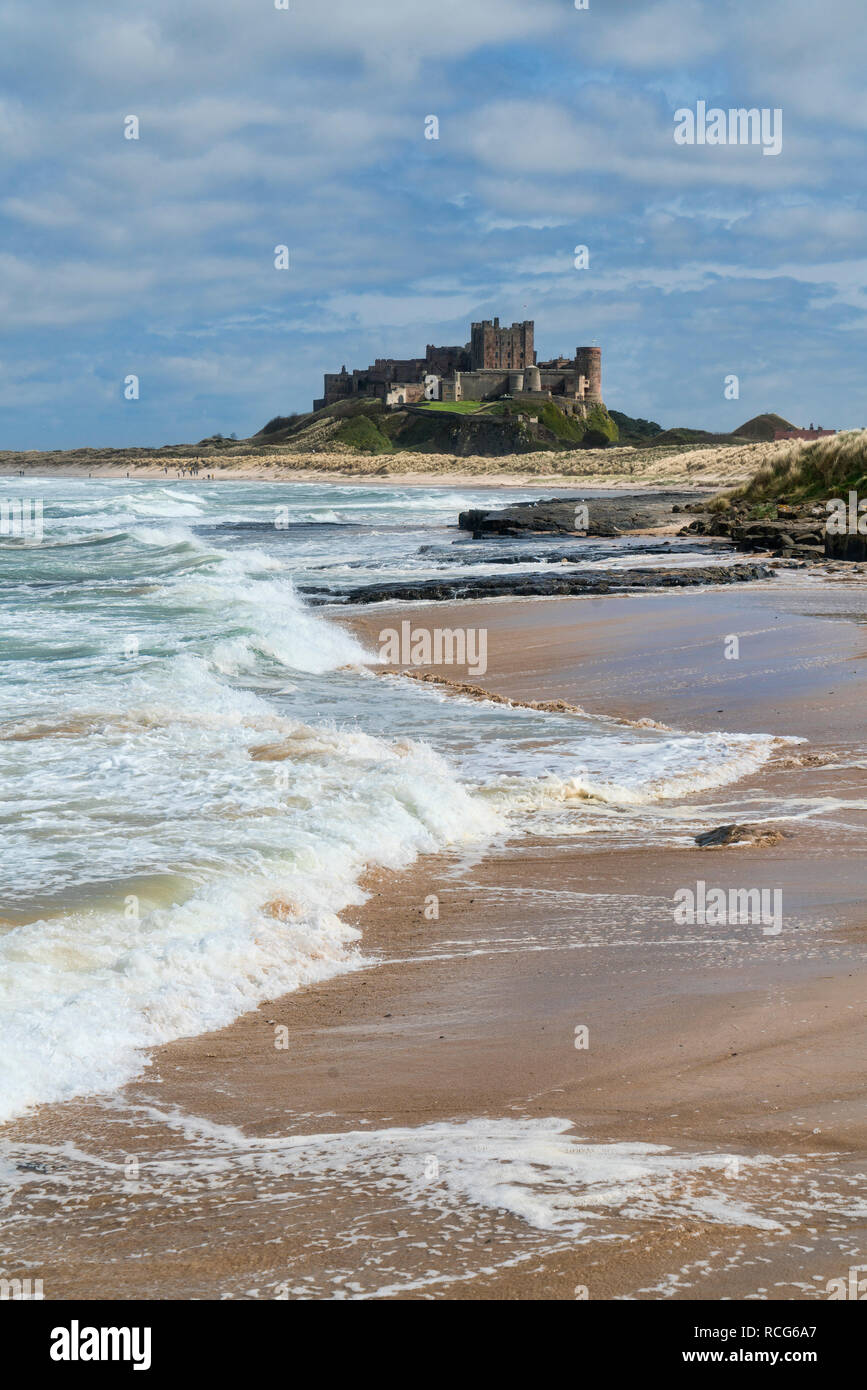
(535, 1170)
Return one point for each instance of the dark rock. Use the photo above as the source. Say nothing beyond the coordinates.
(766, 535)
(762, 836)
(465, 553)
(520, 585)
(813, 554)
(607, 516)
(846, 547)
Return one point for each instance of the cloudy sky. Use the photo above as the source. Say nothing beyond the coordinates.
(305, 127)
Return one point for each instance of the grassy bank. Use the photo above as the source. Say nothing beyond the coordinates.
(798, 471)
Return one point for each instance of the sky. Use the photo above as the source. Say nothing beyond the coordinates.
(305, 127)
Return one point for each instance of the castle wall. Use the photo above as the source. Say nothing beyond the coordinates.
(338, 385)
(398, 368)
(558, 383)
(483, 385)
(446, 360)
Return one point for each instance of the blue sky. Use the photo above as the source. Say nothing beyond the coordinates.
(305, 127)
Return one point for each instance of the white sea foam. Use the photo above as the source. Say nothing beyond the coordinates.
(169, 505)
(535, 1170)
(641, 774)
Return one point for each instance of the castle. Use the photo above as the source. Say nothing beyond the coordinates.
(496, 362)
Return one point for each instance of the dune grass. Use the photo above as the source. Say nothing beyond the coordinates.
(798, 470)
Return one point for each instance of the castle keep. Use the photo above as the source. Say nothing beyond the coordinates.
(496, 362)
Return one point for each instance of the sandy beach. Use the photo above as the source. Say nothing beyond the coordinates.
(458, 1031)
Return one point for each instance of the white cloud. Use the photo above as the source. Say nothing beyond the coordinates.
(399, 311)
(44, 210)
(660, 36)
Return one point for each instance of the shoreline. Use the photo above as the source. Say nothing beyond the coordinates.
(661, 654)
(704, 1045)
(614, 483)
(598, 482)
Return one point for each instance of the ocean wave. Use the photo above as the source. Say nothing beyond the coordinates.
(85, 995)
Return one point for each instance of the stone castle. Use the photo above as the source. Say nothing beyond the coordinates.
(496, 362)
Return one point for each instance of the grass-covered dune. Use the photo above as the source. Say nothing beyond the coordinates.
(800, 471)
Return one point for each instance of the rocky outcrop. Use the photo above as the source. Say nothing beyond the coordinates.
(574, 582)
(764, 534)
(464, 552)
(772, 535)
(605, 516)
(794, 532)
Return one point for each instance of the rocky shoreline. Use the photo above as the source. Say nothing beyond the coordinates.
(588, 516)
(467, 552)
(789, 531)
(538, 585)
(796, 531)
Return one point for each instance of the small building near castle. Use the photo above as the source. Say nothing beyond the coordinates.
(817, 433)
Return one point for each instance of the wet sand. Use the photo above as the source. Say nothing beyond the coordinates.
(800, 670)
(716, 1041)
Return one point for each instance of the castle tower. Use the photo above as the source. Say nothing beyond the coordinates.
(504, 349)
(588, 363)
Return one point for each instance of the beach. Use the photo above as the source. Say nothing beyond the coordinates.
(542, 1087)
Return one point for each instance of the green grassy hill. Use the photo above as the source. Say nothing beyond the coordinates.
(633, 429)
(460, 428)
(764, 427)
(681, 434)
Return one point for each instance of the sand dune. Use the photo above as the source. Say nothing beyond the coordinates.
(716, 466)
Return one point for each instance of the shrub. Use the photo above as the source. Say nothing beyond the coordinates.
(280, 422)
